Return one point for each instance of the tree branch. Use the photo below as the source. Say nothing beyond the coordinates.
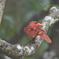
(2, 5)
(17, 51)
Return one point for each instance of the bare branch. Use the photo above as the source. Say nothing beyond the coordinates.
(2, 5)
(18, 51)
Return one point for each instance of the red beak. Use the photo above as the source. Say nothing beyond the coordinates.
(38, 24)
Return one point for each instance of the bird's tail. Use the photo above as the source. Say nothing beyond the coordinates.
(45, 37)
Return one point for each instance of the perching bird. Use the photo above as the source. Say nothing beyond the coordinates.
(32, 30)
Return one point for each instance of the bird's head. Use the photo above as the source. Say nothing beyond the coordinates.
(35, 23)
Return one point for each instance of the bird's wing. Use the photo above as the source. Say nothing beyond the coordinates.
(45, 37)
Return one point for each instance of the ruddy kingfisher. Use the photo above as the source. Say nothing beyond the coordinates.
(32, 30)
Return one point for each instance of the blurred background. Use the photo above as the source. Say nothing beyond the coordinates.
(18, 13)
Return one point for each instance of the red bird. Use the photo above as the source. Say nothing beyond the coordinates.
(32, 31)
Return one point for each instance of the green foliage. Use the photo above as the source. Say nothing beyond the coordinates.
(8, 27)
(17, 12)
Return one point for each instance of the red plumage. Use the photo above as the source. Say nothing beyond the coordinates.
(32, 31)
